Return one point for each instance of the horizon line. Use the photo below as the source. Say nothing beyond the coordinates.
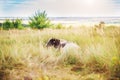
(58, 16)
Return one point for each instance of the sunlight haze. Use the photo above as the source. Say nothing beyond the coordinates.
(57, 8)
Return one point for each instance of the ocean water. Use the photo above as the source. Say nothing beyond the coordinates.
(107, 20)
(73, 20)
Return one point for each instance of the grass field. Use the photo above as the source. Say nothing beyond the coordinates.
(23, 55)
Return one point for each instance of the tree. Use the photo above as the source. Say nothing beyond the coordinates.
(39, 20)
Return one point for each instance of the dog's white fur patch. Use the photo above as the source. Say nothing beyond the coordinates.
(69, 47)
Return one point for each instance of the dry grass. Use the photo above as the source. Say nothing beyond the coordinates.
(23, 55)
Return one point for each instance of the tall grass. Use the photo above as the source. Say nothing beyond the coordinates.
(23, 55)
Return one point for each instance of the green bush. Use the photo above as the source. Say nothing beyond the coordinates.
(1, 26)
(17, 24)
(39, 20)
(7, 24)
(59, 26)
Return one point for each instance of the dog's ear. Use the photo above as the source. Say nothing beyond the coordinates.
(53, 42)
(57, 42)
(50, 42)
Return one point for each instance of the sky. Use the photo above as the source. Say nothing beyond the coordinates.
(60, 8)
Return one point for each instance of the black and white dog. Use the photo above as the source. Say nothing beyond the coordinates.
(61, 44)
(66, 49)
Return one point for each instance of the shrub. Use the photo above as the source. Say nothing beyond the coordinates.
(1, 26)
(17, 24)
(39, 20)
(7, 24)
(59, 26)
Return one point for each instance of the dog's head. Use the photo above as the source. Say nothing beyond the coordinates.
(53, 42)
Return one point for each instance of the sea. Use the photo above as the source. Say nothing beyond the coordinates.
(73, 20)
